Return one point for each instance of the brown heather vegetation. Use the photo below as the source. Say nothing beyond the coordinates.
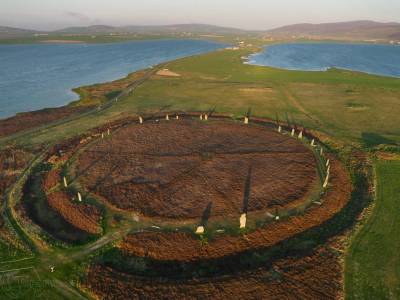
(177, 168)
(12, 163)
(51, 179)
(316, 275)
(99, 93)
(184, 247)
(82, 216)
(29, 120)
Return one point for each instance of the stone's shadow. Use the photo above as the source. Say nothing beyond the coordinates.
(247, 188)
(248, 114)
(206, 215)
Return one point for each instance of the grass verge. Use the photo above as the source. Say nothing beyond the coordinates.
(372, 262)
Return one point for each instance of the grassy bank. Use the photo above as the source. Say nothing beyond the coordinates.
(373, 260)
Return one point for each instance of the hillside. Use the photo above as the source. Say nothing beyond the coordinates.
(355, 30)
(165, 29)
(15, 32)
(106, 33)
(346, 30)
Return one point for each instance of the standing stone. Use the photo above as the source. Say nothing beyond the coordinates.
(177, 117)
(108, 131)
(140, 120)
(102, 135)
(201, 117)
(65, 182)
(301, 135)
(246, 120)
(200, 230)
(326, 181)
(167, 117)
(280, 129)
(79, 197)
(293, 132)
(242, 220)
(313, 143)
(206, 117)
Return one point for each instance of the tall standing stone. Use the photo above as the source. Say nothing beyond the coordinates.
(243, 219)
(326, 181)
(200, 230)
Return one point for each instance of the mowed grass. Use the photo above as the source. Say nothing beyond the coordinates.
(373, 261)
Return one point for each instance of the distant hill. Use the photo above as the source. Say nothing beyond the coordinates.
(87, 30)
(179, 29)
(346, 30)
(166, 29)
(356, 30)
(15, 32)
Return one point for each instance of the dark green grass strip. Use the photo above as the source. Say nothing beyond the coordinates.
(373, 261)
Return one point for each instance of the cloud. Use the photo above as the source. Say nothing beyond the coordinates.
(78, 16)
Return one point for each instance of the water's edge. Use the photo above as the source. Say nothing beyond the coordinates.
(71, 96)
(253, 59)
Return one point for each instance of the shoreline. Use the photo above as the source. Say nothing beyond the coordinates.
(62, 42)
(247, 60)
(253, 51)
(75, 97)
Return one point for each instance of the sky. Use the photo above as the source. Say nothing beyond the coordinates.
(246, 14)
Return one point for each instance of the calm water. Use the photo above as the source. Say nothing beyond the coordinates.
(38, 76)
(373, 59)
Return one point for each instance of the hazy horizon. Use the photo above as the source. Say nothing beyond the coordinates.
(251, 14)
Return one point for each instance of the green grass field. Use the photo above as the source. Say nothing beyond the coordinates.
(373, 260)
